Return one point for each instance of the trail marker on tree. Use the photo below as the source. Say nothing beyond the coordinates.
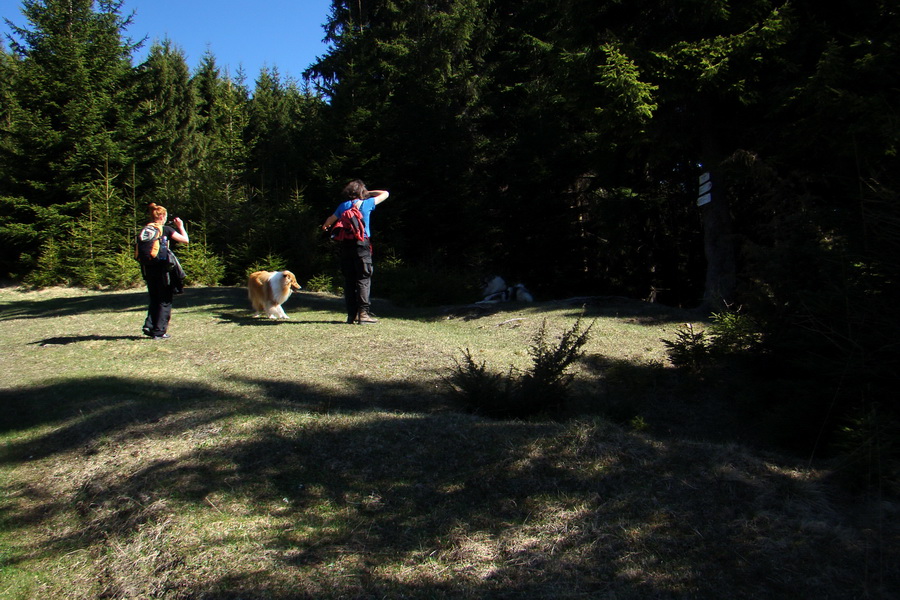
(704, 193)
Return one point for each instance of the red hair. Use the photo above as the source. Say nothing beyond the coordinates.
(156, 211)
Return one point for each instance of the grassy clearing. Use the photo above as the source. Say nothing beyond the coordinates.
(245, 458)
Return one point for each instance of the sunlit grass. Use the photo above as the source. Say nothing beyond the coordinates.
(245, 458)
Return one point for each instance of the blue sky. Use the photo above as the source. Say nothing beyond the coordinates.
(286, 34)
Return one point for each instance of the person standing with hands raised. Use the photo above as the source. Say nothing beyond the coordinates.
(356, 256)
(157, 272)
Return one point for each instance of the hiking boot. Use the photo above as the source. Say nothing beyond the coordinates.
(366, 317)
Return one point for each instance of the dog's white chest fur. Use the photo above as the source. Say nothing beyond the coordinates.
(277, 287)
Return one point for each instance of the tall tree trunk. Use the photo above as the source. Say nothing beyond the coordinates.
(718, 238)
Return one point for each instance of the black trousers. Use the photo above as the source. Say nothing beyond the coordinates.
(356, 265)
(160, 308)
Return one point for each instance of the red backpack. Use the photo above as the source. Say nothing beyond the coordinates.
(350, 227)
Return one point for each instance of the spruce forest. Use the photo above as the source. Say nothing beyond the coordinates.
(558, 143)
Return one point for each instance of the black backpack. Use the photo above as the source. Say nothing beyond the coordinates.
(151, 246)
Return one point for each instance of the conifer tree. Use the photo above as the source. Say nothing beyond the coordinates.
(282, 140)
(98, 244)
(13, 210)
(71, 118)
(220, 192)
(269, 129)
(8, 101)
(167, 149)
(403, 84)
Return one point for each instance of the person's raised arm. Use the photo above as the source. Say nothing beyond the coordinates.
(180, 235)
(379, 195)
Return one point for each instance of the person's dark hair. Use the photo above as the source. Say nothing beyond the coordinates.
(355, 190)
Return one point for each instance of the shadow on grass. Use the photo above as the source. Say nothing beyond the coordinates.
(302, 494)
(637, 311)
(74, 339)
(31, 308)
(136, 300)
(251, 320)
(231, 304)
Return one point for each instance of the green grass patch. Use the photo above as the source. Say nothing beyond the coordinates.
(307, 458)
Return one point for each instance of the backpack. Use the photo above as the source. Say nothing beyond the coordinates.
(151, 246)
(350, 227)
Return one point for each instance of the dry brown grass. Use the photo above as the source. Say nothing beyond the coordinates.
(310, 459)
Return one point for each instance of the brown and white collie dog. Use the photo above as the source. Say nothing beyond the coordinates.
(268, 290)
